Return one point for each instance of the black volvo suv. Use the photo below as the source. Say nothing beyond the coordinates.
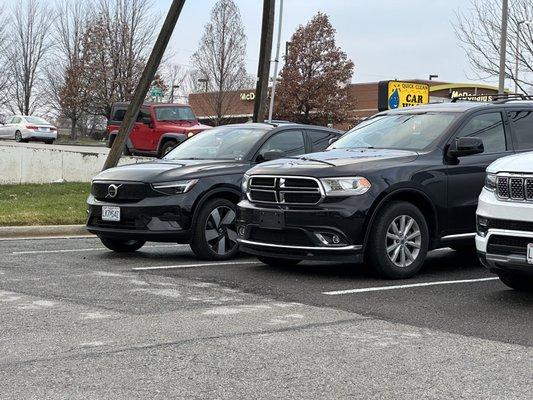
(397, 185)
(191, 195)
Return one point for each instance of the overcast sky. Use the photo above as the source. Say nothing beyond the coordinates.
(386, 39)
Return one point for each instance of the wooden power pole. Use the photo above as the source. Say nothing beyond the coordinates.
(144, 83)
(265, 52)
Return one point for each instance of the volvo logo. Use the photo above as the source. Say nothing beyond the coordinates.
(112, 191)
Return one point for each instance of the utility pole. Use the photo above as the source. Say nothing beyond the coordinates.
(144, 83)
(276, 63)
(265, 52)
(503, 47)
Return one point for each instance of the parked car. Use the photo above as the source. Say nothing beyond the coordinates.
(159, 127)
(190, 195)
(397, 185)
(24, 128)
(504, 238)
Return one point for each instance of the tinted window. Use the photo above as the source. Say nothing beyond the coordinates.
(291, 143)
(143, 113)
(118, 114)
(319, 139)
(522, 129)
(489, 128)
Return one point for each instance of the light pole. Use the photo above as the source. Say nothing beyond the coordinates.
(503, 47)
(519, 23)
(276, 63)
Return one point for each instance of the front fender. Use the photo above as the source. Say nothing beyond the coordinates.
(178, 137)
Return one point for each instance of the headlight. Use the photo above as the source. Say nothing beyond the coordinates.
(490, 182)
(190, 134)
(351, 186)
(244, 183)
(176, 187)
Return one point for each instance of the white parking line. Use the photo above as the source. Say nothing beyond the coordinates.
(89, 249)
(6, 239)
(411, 285)
(193, 265)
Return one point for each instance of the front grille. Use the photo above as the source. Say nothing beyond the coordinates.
(499, 244)
(284, 190)
(294, 237)
(510, 225)
(129, 223)
(125, 191)
(515, 188)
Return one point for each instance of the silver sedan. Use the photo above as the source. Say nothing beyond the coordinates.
(24, 128)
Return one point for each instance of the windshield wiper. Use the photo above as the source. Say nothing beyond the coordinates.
(311, 159)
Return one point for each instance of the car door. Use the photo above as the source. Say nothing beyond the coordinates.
(142, 134)
(466, 175)
(290, 142)
(521, 121)
(319, 140)
(14, 126)
(4, 129)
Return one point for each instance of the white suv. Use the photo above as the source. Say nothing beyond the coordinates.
(504, 237)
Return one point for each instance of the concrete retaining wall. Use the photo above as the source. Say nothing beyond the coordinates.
(39, 164)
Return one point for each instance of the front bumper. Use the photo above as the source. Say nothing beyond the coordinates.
(306, 233)
(158, 219)
(502, 244)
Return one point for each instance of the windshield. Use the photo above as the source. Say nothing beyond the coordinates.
(222, 143)
(36, 120)
(174, 113)
(397, 131)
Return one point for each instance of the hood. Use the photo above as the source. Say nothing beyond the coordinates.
(520, 163)
(166, 170)
(336, 162)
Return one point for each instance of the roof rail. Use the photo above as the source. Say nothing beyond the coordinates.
(504, 98)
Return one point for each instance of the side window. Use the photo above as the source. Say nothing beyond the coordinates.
(319, 139)
(144, 112)
(16, 120)
(118, 114)
(291, 143)
(489, 128)
(522, 128)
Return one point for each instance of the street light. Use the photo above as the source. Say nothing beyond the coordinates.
(519, 23)
(204, 80)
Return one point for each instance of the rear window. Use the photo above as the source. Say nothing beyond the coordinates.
(522, 128)
(36, 120)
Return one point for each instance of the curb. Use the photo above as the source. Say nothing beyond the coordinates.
(25, 232)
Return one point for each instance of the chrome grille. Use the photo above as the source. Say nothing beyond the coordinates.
(516, 188)
(284, 190)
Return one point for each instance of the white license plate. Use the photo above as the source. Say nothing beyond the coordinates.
(110, 213)
(530, 253)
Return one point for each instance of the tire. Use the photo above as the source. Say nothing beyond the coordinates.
(18, 137)
(275, 262)
(385, 240)
(467, 248)
(49, 142)
(127, 151)
(517, 282)
(167, 147)
(122, 246)
(214, 234)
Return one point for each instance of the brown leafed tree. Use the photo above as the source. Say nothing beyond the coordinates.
(313, 82)
(478, 31)
(220, 59)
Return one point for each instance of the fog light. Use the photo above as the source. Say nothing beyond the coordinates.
(482, 226)
(336, 239)
(329, 239)
(242, 230)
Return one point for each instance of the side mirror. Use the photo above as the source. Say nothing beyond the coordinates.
(466, 146)
(146, 120)
(333, 140)
(271, 155)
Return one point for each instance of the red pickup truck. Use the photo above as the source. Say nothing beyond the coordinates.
(159, 127)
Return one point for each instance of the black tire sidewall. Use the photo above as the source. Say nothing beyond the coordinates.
(167, 145)
(122, 246)
(377, 252)
(199, 244)
(516, 282)
(275, 261)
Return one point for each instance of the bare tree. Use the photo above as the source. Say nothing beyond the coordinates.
(4, 81)
(220, 58)
(29, 45)
(478, 31)
(176, 76)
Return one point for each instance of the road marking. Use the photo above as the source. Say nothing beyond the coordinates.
(89, 249)
(411, 285)
(193, 265)
(47, 237)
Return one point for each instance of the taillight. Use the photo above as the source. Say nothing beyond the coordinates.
(32, 127)
(53, 128)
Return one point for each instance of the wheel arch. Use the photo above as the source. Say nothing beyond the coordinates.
(225, 192)
(411, 195)
(170, 136)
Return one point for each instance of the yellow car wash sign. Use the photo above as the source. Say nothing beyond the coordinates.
(398, 94)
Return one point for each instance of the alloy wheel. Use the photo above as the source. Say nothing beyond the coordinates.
(220, 231)
(18, 136)
(403, 241)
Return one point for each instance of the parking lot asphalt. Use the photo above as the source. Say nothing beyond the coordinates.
(78, 321)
